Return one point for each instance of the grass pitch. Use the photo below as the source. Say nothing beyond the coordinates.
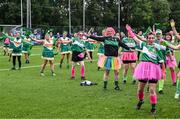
(25, 94)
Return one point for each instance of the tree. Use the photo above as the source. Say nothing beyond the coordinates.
(161, 11)
(140, 13)
(175, 12)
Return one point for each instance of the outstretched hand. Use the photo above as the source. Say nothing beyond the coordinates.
(130, 31)
(128, 28)
(172, 23)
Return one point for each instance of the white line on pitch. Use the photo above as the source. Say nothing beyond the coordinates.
(22, 55)
(35, 66)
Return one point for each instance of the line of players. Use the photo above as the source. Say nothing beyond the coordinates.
(154, 55)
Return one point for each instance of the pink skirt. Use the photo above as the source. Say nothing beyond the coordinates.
(171, 61)
(129, 56)
(147, 71)
(100, 60)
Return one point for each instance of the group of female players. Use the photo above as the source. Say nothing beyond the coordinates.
(156, 54)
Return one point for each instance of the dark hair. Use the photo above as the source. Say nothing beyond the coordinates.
(150, 34)
(168, 35)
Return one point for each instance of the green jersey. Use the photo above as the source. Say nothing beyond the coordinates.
(65, 48)
(27, 45)
(150, 54)
(162, 50)
(101, 48)
(129, 42)
(89, 46)
(78, 45)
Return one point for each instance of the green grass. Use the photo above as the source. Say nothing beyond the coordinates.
(25, 94)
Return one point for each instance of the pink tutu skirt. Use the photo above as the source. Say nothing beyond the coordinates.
(100, 60)
(147, 71)
(109, 62)
(171, 61)
(129, 56)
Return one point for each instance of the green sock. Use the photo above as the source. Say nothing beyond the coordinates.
(161, 84)
(178, 86)
(153, 106)
(116, 83)
(105, 84)
(124, 78)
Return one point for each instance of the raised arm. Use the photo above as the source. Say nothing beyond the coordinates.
(123, 45)
(132, 35)
(172, 22)
(141, 38)
(98, 38)
(91, 40)
(38, 41)
(175, 47)
(7, 36)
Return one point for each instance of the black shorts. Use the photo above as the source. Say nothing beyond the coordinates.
(179, 65)
(128, 61)
(75, 57)
(149, 81)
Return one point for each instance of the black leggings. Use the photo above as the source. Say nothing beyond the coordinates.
(14, 61)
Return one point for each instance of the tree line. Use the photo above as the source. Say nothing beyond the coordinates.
(139, 13)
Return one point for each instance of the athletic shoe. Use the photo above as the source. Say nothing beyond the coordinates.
(116, 88)
(138, 106)
(124, 81)
(83, 78)
(153, 111)
(161, 92)
(13, 68)
(73, 78)
(42, 74)
(176, 96)
(53, 74)
(174, 84)
(134, 82)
